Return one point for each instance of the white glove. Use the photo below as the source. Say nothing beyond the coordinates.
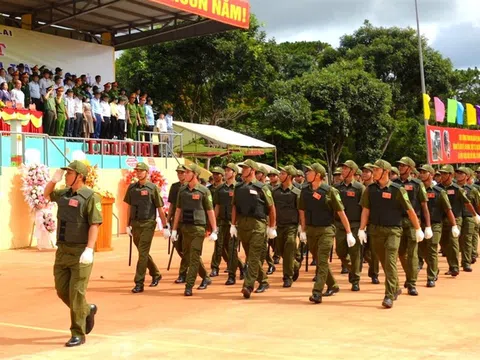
(299, 229)
(351, 240)
(129, 230)
(303, 237)
(87, 256)
(159, 222)
(362, 236)
(428, 233)
(174, 235)
(271, 233)
(233, 231)
(419, 235)
(166, 232)
(58, 176)
(455, 231)
(213, 236)
(477, 219)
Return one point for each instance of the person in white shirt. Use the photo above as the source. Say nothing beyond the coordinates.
(162, 128)
(35, 95)
(45, 82)
(78, 104)
(70, 105)
(3, 76)
(98, 81)
(17, 96)
(122, 128)
(106, 113)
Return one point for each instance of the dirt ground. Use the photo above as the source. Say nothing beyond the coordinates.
(217, 323)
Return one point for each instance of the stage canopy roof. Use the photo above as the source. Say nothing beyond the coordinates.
(130, 23)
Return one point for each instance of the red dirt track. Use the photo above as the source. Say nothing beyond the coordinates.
(217, 323)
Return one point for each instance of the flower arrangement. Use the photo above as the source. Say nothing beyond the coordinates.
(92, 181)
(49, 222)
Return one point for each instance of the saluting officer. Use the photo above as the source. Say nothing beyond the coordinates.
(439, 207)
(318, 204)
(79, 217)
(286, 198)
(220, 250)
(252, 203)
(144, 200)
(194, 206)
(384, 203)
(350, 193)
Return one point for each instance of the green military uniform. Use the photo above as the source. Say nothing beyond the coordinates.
(61, 116)
(477, 227)
(408, 250)
(387, 206)
(178, 245)
(458, 199)
(350, 194)
(77, 211)
(272, 186)
(49, 116)
(319, 206)
(132, 127)
(194, 204)
(144, 200)
(26, 91)
(143, 118)
(286, 201)
(221, 245)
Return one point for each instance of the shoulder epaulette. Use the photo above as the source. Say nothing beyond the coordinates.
(438, 188)
(258, 184)
(325, 187)
(202, 189)
(85, 192)
(296, 190)
(417, 181)
(357, 185)
(395, 185)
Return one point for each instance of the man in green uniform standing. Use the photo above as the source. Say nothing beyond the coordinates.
(350, 254)
(172, 199)
(252, 204)
(79, 217)
(144, 200)
(384, 203)
(318, 204)
(476, 184)
(194, 206)
(439, 207)
(133, 118)
(286, 198)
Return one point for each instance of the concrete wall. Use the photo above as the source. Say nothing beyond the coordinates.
(16, 220)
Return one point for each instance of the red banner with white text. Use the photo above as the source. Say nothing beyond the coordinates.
(452, 145)
(232, 12)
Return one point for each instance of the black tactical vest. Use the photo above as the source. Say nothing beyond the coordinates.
(385, 209)
(413, 187)
(286, 205)
(173, 195)
(317, 211)
(193, 212)
(468, 189)
(72, 217)
(250, 200)
(351, 196)
(436, 211)
(224, 195)
(142, 205)
(455, 199)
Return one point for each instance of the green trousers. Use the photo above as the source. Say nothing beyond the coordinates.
(371, 257)
(143, 231)
(132, 130)
(60, 128)
(408, 252)
(178, 246)
(221, 246)
(286, 245)
(234, 261)
(351, 257)
(193, 237)
(466, 240)
(450, 243)
(475, 242)
(251, 233)
(428, 250)
(71, 281)
(386, 241)
(320, 241)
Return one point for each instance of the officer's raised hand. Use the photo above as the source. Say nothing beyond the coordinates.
(58, 176)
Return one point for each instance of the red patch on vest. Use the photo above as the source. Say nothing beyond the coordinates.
(73, 203)
(196, 196)
(451, 192)
(144, 192)
(409, 187)
(431, 195)
(317, 195)
(386, 195)
(351, 193)
(230, 193)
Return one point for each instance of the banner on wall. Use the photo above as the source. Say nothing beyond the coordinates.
(74, 56)
(452, 145)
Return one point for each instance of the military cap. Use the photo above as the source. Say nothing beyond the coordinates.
(338, 171)
(232, 166)
(358, 172)
(142, 166)
(262, 169)
(217, 170)
(35, 67)
(350, 164)
(407, 161)
(289, 169)
(300, 173)
(194, 168)
(368, 166)
(415, 171)
(319, 169)
(16, 73)
(395, 170)
(78, 167)
(427, 168)
(382, 164)
(180, 168)
(106, 84)
(273, 172)
(464, 169)
(447, 169)
(60, 88)
(249, 163)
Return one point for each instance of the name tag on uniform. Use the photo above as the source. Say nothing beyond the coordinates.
(196, 196)
(351, 193)
(451, 192)
(144, 192)
(73, 203)
(386, 195)
(230, 193)
(409, 187)
(431, 195)
(317, 195)
(253, 192)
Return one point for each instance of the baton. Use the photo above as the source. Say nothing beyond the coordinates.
(169, 244)
(306, 260)
(171, 255)
(331, 253)
(130, 252)
(232, 254)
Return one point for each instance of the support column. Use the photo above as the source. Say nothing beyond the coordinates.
(27, 21)
(107, 39)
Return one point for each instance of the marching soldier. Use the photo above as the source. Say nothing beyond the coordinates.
(384, 203)
(337, 176)
(477, 227)
(194, 206)
(274, 182)
(408, 250)
(79, 217)
(220, 246)
(394, 174)
(286, 197)
(350, 193)
(318, 204)
(299, 179)
(358, 176)
(144, 200)
(252, 203)
(439, 207)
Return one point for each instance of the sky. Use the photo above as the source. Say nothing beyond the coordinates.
(451, 26)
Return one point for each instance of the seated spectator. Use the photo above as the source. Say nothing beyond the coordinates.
(4, 93)
(17, 96)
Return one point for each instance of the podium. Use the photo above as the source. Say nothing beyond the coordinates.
(104, 240)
